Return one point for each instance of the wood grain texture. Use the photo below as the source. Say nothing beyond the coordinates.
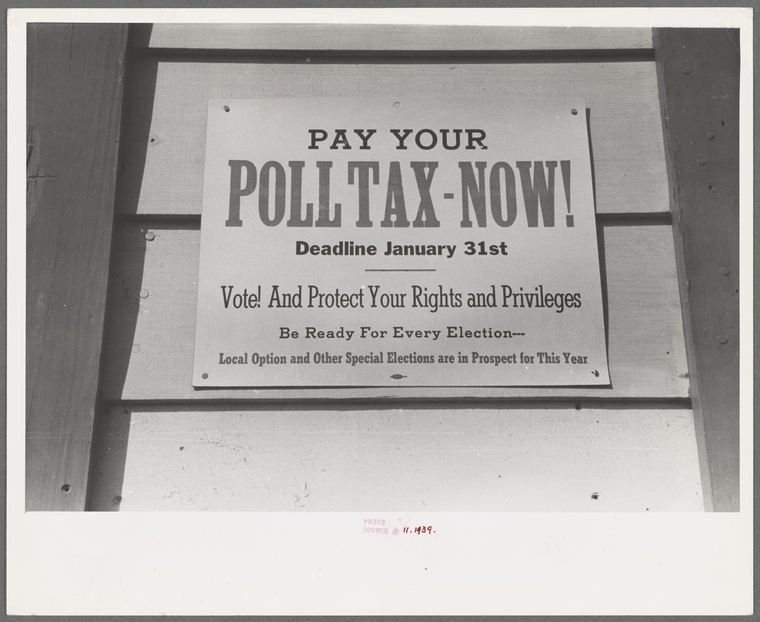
(383, 37)
(370, 459)
(75, 84)
(167, 106)
(151, 325)
(699, 76)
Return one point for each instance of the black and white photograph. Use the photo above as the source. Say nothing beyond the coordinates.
(449, 307)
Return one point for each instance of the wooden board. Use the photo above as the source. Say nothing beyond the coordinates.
(74, 100)
(387, 37)
(151, 322)
(167, 103)
(699, 72)
(370, 459)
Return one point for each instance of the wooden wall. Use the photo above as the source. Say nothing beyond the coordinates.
(74, 97)
(160, 445)
(699, 73)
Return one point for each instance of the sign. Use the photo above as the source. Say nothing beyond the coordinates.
(371, 242)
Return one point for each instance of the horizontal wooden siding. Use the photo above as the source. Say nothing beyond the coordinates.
(160, 444)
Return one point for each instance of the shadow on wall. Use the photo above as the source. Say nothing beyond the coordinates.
(124, 289)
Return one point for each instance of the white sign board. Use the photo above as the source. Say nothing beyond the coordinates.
(371, 242)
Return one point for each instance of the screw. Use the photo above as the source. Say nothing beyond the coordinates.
(150, 236)
(701, 160)
(722, 340)
(204, 376)
(144, 293)
(574, 111)
(724, 271)
(226, 109)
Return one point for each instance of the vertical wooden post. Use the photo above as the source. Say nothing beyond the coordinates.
(698, 73)
(74, 94)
